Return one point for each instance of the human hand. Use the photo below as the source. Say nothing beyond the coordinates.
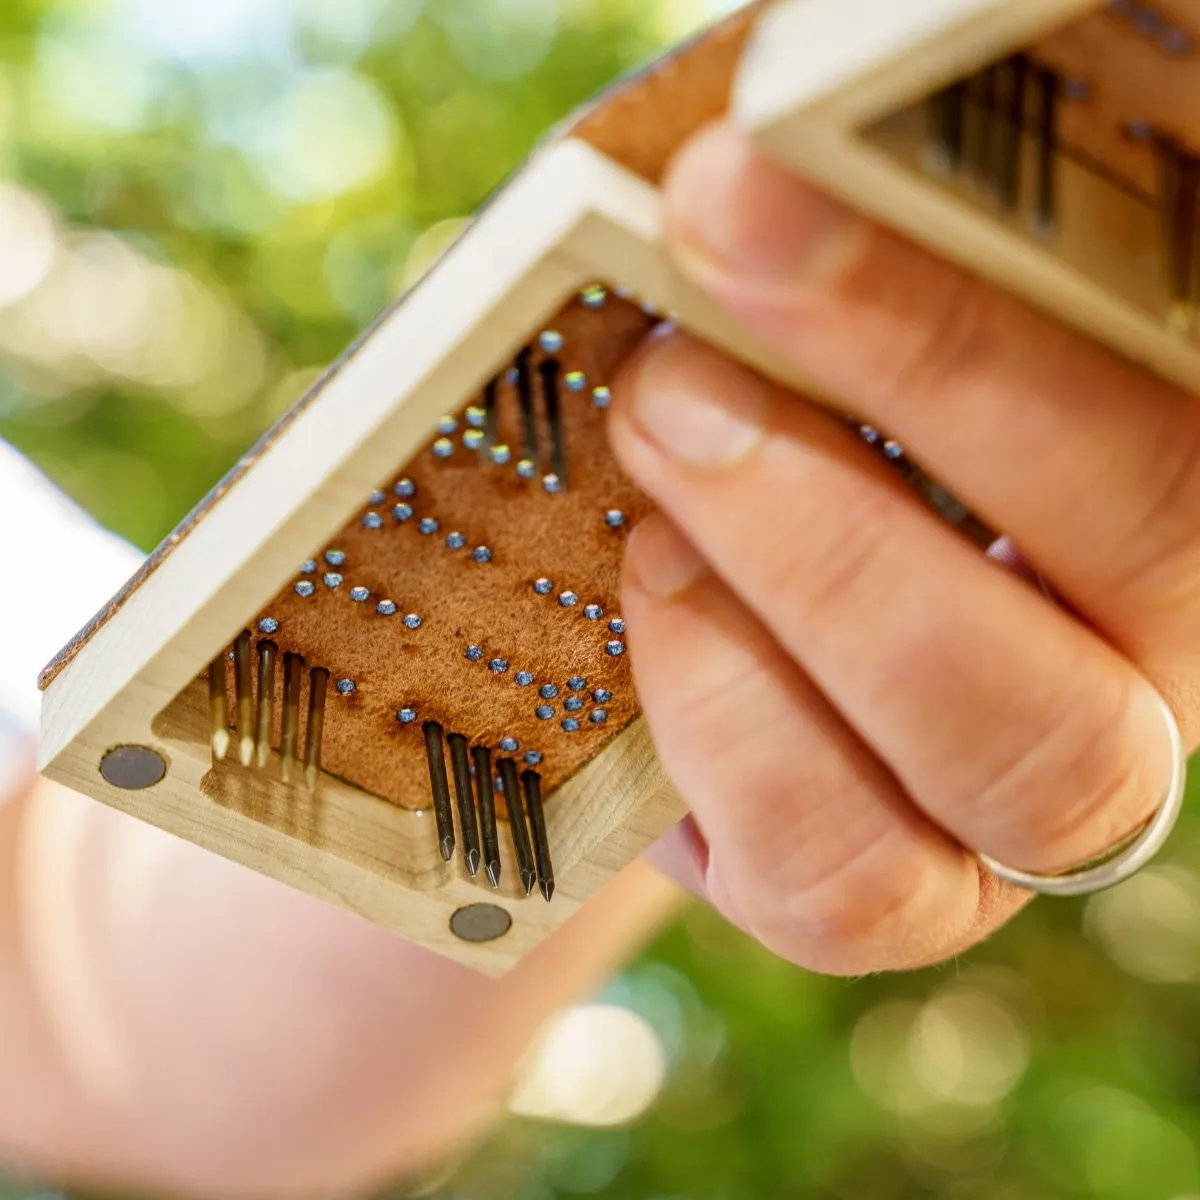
(847, 692)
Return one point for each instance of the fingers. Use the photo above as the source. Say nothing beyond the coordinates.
(1016, 729)
(1018, 417)
(812, 847)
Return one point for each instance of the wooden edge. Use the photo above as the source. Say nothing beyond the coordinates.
(850, 62)
(814, 130)
(374, 858)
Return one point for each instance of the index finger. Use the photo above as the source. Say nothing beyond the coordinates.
(1092, 466)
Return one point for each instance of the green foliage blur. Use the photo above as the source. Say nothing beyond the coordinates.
(200, 205)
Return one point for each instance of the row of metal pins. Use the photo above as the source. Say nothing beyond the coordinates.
(979, 127)
(255, 713)
(1179, 190)
(477, 811)
(550, 371)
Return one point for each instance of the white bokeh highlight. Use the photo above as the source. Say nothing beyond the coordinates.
(595, 1064)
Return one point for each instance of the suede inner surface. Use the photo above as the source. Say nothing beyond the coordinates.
(532, 534)
(639, 122)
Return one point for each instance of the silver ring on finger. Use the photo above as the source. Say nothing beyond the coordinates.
(1126, 859)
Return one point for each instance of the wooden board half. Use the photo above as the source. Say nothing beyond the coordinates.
(575, 216)
(833, 91)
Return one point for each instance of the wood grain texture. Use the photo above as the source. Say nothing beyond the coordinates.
(369, 856)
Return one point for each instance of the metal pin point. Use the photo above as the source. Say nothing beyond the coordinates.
(486, 803)
(218, 708)
(267, 653)
(439, 787)
(465, 794)
(245, 698)
(550, 370)
(947, 120)
(532, 783)
(490, 394)
(516, 819)
(978, 151)
(318, 682)
(524, 367)
(1013, 84)
(1046, 214)
(290, 727)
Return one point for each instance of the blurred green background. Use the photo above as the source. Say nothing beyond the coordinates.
(200, 204)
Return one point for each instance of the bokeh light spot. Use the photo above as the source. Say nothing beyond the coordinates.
(193, 33)
(499, 39)
(430, 247)
(966, 1047)
(1125, 1143)
(97, 81)
(592, 1065)
(28, 242)
(880, 1061)
(329, 133)
(1150, 925)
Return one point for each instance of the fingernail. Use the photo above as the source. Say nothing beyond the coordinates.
(663, 562)
(697, 408)
(738, 214)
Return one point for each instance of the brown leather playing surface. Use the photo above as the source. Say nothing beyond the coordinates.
(532, 534)
(639, 122)
(1127, 75)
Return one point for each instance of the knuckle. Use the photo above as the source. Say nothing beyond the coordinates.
(727, 717)
(956, 334)
(821, 571)
(1162, 558)
(869, 912)
(1077, 787)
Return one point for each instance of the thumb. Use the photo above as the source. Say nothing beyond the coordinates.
(856, 308)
